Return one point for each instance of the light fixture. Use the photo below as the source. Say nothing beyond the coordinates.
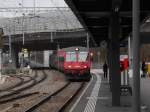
(77, 49)
(148, 20)
(69, 66)
(85, 66)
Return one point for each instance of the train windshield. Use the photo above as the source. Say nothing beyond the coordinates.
(71, 57)
(82, 56)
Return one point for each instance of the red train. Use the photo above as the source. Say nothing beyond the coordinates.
(75, 62)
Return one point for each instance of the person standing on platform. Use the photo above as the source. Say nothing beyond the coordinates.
(105, 69)
(143, 69)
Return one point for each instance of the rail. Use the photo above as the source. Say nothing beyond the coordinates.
(30, 109)
(63, 101)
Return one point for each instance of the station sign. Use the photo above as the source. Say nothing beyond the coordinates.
(25, 52)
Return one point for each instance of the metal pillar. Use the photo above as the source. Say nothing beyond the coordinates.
(115, 57)
(109, 65)
(98, 57)
(22, 23)
(136, 56)
(51, 36)
(9, 41)
(29, 55)
(15, 57)
(87, 41)
(35, 60)
(130, 51)
(10, 47)
(0, 63)
(1, 46)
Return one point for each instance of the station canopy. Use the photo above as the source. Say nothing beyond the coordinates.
(29, 16)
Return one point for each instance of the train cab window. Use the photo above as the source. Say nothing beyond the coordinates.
(71, 57)
(82, 56)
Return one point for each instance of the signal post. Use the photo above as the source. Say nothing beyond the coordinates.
(1, 46)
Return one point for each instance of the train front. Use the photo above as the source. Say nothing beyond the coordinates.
(77, 64)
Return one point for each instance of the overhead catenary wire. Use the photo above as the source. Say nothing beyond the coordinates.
(70, 21)
(50, 20)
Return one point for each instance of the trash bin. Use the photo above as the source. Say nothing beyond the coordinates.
(148, 69)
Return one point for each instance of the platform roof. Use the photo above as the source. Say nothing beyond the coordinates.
(54, 20)
(95, 16)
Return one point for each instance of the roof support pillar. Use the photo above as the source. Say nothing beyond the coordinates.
(109, 64)
(136, 56)
(114, 57)
(15, 57)
(130, 50)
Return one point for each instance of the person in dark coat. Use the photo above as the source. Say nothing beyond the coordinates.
(143, 69)
(105, 69)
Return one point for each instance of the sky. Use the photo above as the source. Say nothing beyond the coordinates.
(27, 3)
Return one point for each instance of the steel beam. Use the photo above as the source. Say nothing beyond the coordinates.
(109, 64)
(14, 57)
(115, 57)
(136, 56)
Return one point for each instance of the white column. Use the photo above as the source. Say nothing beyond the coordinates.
(130, 51)
(88, 41)
(51, 36)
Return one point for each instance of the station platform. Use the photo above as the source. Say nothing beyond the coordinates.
(96, 97)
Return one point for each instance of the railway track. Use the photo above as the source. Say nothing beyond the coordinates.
(17, 91)
(57, 101)
(23, 79)
(37, 100)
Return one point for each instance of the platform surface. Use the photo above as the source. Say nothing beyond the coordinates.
(97, 97)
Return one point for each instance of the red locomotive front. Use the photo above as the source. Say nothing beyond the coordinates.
(77, 64)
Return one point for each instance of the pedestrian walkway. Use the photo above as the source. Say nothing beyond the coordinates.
(104, 103)
(97, 97)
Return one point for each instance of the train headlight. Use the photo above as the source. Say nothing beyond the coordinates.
(85, 66)
(77, 49)
(91, 54)
(69, 66)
